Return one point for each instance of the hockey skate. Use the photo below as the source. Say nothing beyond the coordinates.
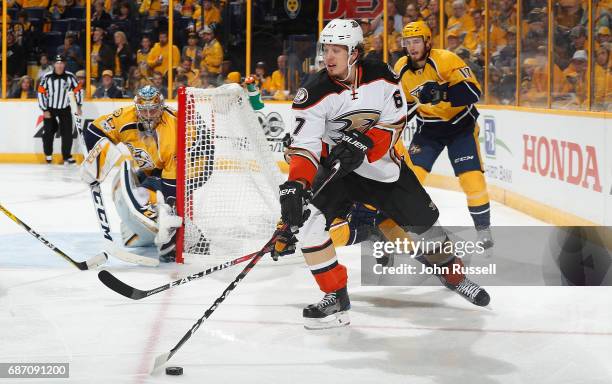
(470, 291)
(485, 237)
(330, 312)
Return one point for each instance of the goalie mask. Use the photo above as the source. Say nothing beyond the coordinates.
(149, 108)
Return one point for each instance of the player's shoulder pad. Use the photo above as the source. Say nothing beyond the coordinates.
(399, 64)
(377, 70)
(441, 54)
(315, 89)
(402, 65)
(442, 58)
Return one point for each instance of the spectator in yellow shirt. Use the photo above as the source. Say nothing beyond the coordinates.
(186, 69)
(192, 50)
(534, 89)
(142, 54)
(474, 40)
(159, 57)
(423, 8)
(368, 37)
(186, 8)
(602, 37)
(432, 23)
(150, 8)
(461, 19)
(602, 89)
(33, 3)
(212, 15)
(212, 52)
(453, 40)
(281, 82)
(102, 56)
(574, 80)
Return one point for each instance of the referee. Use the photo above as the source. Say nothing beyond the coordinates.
(53, 100)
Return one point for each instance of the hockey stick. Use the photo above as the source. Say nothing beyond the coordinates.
(163, 358)
(122, 288)
(101, 215)
(91, 263)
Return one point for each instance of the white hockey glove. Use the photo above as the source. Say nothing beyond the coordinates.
(167, 221)
(98, 162)
(86, 176)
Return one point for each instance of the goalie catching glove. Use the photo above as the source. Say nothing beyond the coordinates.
(168, 222)
(350, 152)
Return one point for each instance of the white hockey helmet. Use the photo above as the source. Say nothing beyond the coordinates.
(342, 32)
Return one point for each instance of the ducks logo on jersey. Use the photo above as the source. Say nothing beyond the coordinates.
(361, 120)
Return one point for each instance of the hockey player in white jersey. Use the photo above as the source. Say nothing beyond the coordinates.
(353, 112)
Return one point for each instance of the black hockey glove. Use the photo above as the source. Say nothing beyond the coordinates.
(350, 152)
(293, 200)
(285, 243)
(433, 93)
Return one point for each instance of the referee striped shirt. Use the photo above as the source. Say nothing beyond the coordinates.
(53, 90)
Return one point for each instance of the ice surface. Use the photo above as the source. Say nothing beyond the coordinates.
(51, 312)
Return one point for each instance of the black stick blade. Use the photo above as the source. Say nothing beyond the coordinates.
(119, 286)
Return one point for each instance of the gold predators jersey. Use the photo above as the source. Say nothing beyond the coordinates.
(149, 152)
(443, 67)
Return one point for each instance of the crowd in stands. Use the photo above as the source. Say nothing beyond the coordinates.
(464, 34)
(129, 47)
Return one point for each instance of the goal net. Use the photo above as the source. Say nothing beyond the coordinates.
(227, 178)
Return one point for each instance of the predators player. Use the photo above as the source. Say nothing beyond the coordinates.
(445, 90)
(145, 188)
(352, 113)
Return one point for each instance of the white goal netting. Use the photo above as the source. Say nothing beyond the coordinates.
(230, 197)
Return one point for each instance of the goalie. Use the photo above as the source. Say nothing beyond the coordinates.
(144, 193)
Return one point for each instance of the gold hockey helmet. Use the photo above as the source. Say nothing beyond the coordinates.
(416, 29)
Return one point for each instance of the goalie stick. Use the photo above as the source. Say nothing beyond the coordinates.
(163, 358)
(91, 263)
(101, 215)
(122, 288)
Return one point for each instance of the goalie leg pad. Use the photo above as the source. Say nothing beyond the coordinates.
(135, 207)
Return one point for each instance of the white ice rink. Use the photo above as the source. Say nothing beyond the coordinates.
(51, 312)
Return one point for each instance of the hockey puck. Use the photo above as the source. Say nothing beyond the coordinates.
(174, 371)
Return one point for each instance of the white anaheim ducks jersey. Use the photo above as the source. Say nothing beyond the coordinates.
(325, 107)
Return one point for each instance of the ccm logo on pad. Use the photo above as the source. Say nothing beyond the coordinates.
(464, 158)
